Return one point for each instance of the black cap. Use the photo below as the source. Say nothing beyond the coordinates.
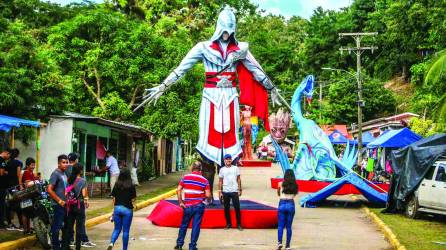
(73, 157)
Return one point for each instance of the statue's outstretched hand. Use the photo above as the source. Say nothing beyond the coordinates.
(275, 97)
(152, 95)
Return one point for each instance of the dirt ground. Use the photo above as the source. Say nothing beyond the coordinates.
(340, 225)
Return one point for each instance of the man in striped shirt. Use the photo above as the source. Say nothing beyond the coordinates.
(195, 189)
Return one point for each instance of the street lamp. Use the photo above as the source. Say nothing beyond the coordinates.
(360, 104)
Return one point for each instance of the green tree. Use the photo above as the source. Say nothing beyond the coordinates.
(31, 86)
(342, 99)
(277, 45)
(435, 82)
(425, 127)
(37, 14)
(102, 52)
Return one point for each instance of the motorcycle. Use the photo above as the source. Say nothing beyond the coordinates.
(35, 204)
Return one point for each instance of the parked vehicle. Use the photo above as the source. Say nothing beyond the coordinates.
(35, 204)
(430, 196)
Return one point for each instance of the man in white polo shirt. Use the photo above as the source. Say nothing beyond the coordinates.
(230, 188)
(113, 169)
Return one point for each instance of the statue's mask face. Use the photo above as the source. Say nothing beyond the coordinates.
(279, 123)
(278, 132)
(225, 36)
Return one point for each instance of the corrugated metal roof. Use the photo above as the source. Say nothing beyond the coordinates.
(102, 121)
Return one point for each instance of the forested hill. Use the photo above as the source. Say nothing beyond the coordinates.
(98, 58)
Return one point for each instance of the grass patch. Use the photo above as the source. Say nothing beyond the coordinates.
(99, 211)
(155, 193)
(10, 235)
(417, 234)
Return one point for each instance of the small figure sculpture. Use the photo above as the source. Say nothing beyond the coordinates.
(246, 130)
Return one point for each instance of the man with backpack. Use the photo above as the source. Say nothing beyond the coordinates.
(56, 190)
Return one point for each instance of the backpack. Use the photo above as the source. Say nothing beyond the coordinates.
(73, 202)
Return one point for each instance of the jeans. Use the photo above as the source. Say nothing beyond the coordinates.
(122, 217)
(286, 212)
(227, 197)
(12, 209)
(84, 236)
(196, 212)
(74, 218)
(2, 206)
(57, 225)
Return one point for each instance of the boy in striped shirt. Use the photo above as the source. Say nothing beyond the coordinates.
(195, 189)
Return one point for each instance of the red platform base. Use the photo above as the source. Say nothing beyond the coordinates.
(256, 163)
(167, 213)
(315, 186)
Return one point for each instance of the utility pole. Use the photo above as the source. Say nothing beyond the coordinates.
(358, 50)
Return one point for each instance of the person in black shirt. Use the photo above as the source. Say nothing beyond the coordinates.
(124, 194)
(14, 168)
(4, 156)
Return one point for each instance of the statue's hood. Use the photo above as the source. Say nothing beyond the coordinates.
(226, 22)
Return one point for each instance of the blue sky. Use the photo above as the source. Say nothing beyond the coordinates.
(303, 8)
(286, 8)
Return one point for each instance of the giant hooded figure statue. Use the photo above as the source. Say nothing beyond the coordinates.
(224, 59)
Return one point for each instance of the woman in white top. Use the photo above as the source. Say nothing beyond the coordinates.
(286, 190)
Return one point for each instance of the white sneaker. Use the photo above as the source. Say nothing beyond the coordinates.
(110, 247)
(88, 244)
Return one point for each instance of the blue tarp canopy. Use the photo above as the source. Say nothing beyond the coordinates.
(367, 137)
(370, 193)
(338, 138)
(395, 139)
(8, 122)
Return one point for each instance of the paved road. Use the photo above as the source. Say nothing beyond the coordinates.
(332, 227)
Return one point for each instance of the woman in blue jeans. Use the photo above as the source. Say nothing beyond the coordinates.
(124, 194)
(287, 191)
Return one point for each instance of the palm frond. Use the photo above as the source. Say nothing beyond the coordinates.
(440, 113)
(437, 69)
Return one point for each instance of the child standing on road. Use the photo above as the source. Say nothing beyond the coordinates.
(287, 191)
